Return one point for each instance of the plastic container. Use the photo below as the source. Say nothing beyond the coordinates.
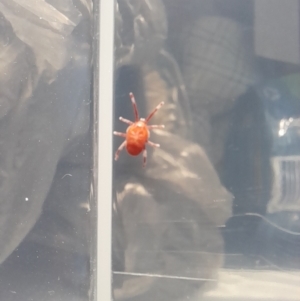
(213, 214)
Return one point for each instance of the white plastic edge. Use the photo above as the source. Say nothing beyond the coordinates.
(105, 122)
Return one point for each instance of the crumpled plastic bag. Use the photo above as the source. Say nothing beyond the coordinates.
(141, 29)
(45, 27)
(166, 242)
(44, 93)
(17, 70)
(179, 194)
(168, 216)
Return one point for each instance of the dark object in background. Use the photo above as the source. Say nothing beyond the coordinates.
(246, 170)
(262, 168)
(45, 150)
(166, 217)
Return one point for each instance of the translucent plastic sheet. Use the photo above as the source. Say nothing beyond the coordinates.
(45, 27)
(174, 234)
(272, 138)
(204, 220)
(166, 242)
(45, 149)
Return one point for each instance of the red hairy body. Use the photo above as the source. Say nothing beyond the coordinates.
(138, 133)
(137, 136)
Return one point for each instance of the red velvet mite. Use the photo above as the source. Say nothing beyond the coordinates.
(138, 133)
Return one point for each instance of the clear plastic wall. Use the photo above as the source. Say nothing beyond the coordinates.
(214, 214)
(46, 149)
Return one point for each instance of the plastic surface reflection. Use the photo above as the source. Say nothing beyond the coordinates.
(45, 149)
(215, 214)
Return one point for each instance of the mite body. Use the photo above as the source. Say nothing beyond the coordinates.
(138, 133)
(137, 136)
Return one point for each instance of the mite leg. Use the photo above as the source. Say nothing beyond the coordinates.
(153, 144)
(135, 110)
(154, 111)
(125, 120)
(119, 150)
(144, 157)
(152, 127)
(120, 134)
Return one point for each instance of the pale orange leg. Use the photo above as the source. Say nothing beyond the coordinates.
(154, 111)
(125, 120)
(120, 134)
(153, 144)
(135, 109)
(144, 157)
(119, 150)
(152, 127)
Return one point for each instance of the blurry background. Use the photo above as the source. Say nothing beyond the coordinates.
(228, 72)
(215, 214)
